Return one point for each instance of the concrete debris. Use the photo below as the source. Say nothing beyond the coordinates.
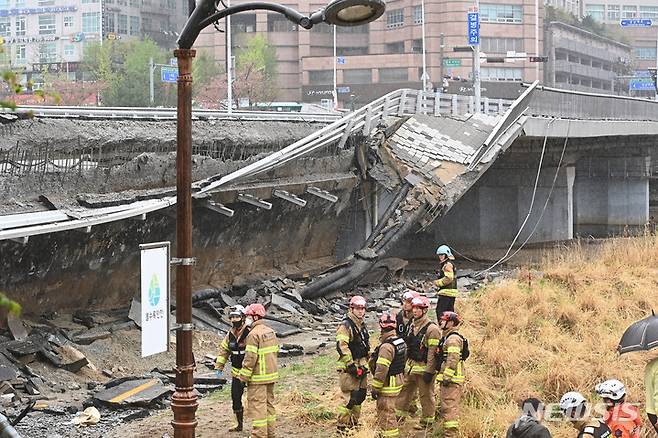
(87, 417)
(135, 313)
(71, 359)
(284, 303)
(16, 327)
(86, 337)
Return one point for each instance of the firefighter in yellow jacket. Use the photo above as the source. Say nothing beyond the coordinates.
(233, 347)
(353, 345)
(422, 342)
(447, 282)
(387, 365)
(452, 352)
(260, 372)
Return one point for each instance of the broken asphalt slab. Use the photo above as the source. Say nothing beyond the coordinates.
(139, 392)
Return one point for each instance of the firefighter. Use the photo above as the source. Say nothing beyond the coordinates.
(405, 316)
(575, 409)
(233, 346)
(353, 345)
(447, 281)
(387, 366)
(452, 352)
(422, 342)
(622, 418)
(260, 372)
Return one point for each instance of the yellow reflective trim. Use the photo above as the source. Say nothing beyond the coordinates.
(271, 419)
(268, 350)
(448, 372)
(449, 274)
(251, 349)
(451, 424)
(401, 413)
(259, 423)
(377, 384)
(454, 350)
(265, 377)
(389, 390)
(246, 372)
(391, 432)
(224, 345)
(392, 381)
(448, 292)
(221, 360)
(235, 372)
(342, 338)
(343, 410)
(432, 342)
(415, 369)
(382, 361)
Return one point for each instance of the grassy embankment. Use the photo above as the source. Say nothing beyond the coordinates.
(536, 335)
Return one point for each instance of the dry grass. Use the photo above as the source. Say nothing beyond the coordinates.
(537, 335)
(543, 335)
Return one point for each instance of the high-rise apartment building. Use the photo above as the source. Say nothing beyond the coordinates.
(50, 35)
(387, 54)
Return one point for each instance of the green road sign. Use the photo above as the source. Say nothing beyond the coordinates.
(449, 62)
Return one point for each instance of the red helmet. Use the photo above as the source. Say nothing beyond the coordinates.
(450, 316)
(421, 302)
(358, 301)
(409, 295)
(255, 310)
(387, 321)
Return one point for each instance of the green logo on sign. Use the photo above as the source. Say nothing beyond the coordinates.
(154, 291)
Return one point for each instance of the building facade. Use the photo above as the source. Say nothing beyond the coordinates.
(580, 60)
(50, 35)
(387, 54)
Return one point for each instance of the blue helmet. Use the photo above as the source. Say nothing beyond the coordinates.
(445, 250)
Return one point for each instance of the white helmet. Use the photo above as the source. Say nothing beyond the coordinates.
(237, 310)
(612, 389)
(572, 405)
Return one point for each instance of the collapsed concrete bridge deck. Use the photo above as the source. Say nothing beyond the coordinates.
(413, 165)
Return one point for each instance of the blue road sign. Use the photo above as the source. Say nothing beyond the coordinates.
(641, 85)
(342, 90)
(473, 28)
(169, 74)
(340, 60)
(636, 22)
(642, 74)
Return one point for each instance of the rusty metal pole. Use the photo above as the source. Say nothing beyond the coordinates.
(184, 400)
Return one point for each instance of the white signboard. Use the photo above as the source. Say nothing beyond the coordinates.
(155, 297)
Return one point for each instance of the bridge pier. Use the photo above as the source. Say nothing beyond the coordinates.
(611, 195)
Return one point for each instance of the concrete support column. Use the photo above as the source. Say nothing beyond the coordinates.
(571, 178)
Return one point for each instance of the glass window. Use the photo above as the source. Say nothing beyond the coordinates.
(352, 51)
(418, 14)
(135, 3)
(46, 2)
(90, 21)
(245, 23)
(648, 11)
(501, 74)
(501, 45)
(629, 12)
(352, 29)
(123, 24)
(21, 54)
(46, 24)
(4, 4)
(89, 1)
(69, 49)
(321, 77)
(109, 22)
(20, 3)
(597, 12)
(134, 25)
(394, 18)
(397, 47)
(279, 23)
(321, 28)
(147, 24)
(47, 52)
(497, 13)
(68, 21)
(645, 52)
(357, 76)
(613, 12)
(417, 46)
(5, 26)
(20, 26)
(393, 75)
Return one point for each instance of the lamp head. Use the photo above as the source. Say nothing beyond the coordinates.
(353, 12)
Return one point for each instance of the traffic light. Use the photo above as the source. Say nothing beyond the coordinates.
(652, 72)
(539, 59)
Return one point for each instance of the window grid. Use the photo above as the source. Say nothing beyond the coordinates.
(645, 53)
(69, 50)
(21, 26)
(320, 77)
(418, 14)
(597, 12)
(357, 76)
(21, 54)
(393, 75)
(5, 26)
(613, 12)
(123, 24)
(648, 11)
(501, 74)
(134, 25)
(629, 12)
(46, 24)
(500, 13)
(279, 23)
(47, 52)
(68, 21)
(90, 21)
(397, 47)
(394, 18)
(501, 45)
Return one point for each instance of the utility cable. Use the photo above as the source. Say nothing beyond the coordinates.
(532, 203)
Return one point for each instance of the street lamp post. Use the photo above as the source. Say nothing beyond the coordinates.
(204, 14)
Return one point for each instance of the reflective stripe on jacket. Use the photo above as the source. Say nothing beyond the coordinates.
(388, 386)
(430, 342)
(452, 368)
(447, 284)
(260, 361)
